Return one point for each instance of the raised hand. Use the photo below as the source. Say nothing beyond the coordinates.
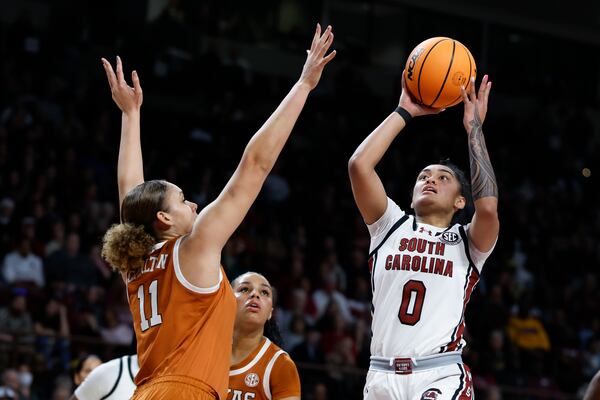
(415, 109)
(476, 104)
(316, 59)
(129, 99)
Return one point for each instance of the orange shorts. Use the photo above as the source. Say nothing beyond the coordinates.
(175, 387)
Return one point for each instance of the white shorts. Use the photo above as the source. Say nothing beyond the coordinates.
(449, 382)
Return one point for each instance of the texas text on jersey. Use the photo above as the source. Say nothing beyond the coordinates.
(267, 373)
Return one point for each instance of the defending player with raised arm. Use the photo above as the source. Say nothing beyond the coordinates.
(260, 369)
(170, 256)
(424, 267)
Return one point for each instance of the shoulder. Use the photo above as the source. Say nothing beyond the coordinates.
(284, 362)
(101, 379)
(107, 371)
(279, 359)
(392, 214)
(283, 379)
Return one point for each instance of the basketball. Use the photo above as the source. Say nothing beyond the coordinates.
(436, 69)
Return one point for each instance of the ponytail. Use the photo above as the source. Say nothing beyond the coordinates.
(125, 247)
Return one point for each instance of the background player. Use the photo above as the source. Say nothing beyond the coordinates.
(423, 267)
(259, 369)
(112, 380)
(182, 305)
(84, 366)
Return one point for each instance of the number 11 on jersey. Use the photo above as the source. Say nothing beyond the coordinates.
(156, 318)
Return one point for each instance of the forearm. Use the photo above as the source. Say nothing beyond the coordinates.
(266, 144)
(130, 169)
(372, 149)
(483, 179)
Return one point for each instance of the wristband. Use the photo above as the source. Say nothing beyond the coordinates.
(404, 114)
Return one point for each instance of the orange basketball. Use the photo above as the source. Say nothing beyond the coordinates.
(436, 69)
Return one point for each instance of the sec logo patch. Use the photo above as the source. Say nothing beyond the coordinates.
(431, 394)
(251, 380)
(451, 238)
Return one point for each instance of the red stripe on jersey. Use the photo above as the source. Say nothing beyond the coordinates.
(467, 392)
(473, 279)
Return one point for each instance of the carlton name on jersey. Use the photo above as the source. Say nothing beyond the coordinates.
(426, 263)
(152, 263)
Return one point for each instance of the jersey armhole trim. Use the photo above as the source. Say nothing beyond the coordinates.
(267, 376)
(129, 359)
(465, 238)
(389, 233)
(116, 382)
(184, 281)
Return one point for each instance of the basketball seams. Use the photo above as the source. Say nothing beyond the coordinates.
(471, 64)
(423, 64)
(447, 73)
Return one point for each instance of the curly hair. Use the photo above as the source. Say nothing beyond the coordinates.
(125, 246)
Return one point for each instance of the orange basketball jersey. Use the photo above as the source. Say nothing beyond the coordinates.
(267, 373)
(181, 329)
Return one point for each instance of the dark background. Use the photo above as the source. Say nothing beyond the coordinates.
(212, 73)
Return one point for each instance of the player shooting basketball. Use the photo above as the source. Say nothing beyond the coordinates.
(424, 266)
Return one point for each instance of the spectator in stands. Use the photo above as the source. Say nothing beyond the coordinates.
(22, 266)
(16, 326)
(52, 330)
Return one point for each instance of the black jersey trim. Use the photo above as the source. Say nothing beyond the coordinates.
(373, 254)
(463, 235)
(129, 358)
(462, 382)
(388, 234)
(117, 381)
(470, 269)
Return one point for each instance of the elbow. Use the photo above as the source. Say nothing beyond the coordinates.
(356, 164)
(257, 163)
(487, 209)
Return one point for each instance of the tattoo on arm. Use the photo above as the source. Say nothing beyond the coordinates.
(483, 179)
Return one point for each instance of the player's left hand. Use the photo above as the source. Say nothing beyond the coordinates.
(316, 59)
(129, 99)
(476, 104)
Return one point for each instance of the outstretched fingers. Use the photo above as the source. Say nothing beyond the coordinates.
(324, 42)
(120, 76)
(136, 82)
(110, 74)
(329, 57)
(463, 93)
(487, 92)
(482, 87)
(316, 37)
(472, 94)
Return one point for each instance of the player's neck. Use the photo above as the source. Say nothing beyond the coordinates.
(440, 221)
(244, 343)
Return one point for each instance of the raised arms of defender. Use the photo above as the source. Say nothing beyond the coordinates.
(200, 253)
(130, 167)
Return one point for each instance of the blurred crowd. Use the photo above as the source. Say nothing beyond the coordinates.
(532, 324)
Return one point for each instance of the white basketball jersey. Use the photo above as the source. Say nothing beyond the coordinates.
(422, 278)
(111, 380)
